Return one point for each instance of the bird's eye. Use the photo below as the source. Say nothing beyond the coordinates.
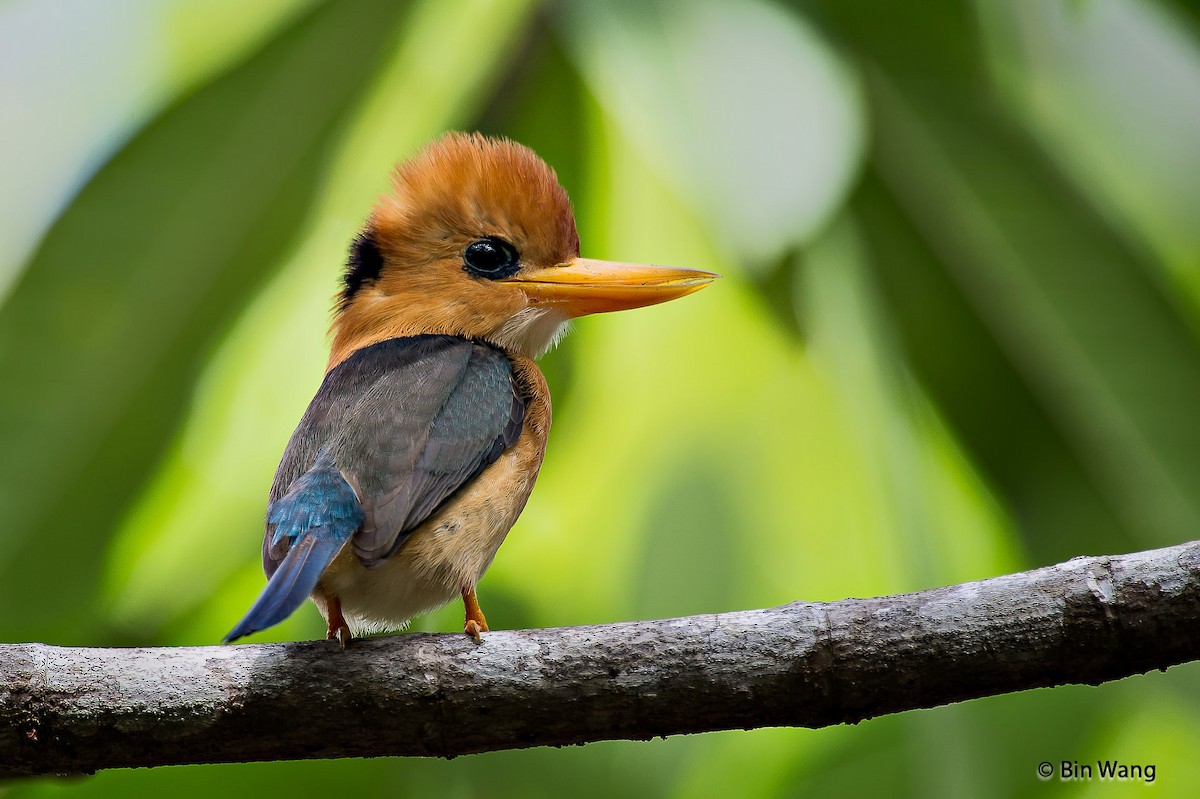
(492, 258)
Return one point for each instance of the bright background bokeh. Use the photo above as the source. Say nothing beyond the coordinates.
(958, 336)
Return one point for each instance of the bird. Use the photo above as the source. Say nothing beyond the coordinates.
(422, 444)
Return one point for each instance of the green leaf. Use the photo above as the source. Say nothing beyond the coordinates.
(71, 97)
(1122, 129)
(134, 285)
(1106, 354)
(743, 107)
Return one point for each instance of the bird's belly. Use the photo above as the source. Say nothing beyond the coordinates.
(446, 554)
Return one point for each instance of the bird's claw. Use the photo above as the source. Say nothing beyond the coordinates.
(475, 623)
(337, 629)
(474, 627)
(341, 634)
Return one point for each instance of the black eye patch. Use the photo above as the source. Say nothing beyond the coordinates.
(363, 265)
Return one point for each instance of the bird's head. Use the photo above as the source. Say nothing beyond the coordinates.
(478, 240)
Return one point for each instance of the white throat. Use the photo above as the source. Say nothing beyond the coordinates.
(532, 330)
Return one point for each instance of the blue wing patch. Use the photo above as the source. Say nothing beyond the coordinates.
(321, 503)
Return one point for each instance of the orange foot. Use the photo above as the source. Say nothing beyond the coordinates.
(475, 623)
(338, 629)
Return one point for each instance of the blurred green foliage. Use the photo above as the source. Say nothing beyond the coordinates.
(958, 337)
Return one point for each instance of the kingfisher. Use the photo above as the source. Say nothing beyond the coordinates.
(423, 442)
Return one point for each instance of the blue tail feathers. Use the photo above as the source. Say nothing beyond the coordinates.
(317, 515)
(291, 584)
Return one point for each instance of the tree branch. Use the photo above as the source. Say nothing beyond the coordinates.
(71, 710)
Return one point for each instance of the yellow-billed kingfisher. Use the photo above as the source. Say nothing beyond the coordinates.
(423, 442)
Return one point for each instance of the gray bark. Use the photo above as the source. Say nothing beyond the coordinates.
(72, 710)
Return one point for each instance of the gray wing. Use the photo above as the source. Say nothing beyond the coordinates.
(408, 422)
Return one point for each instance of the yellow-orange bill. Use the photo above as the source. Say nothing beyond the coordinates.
(583, 286)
